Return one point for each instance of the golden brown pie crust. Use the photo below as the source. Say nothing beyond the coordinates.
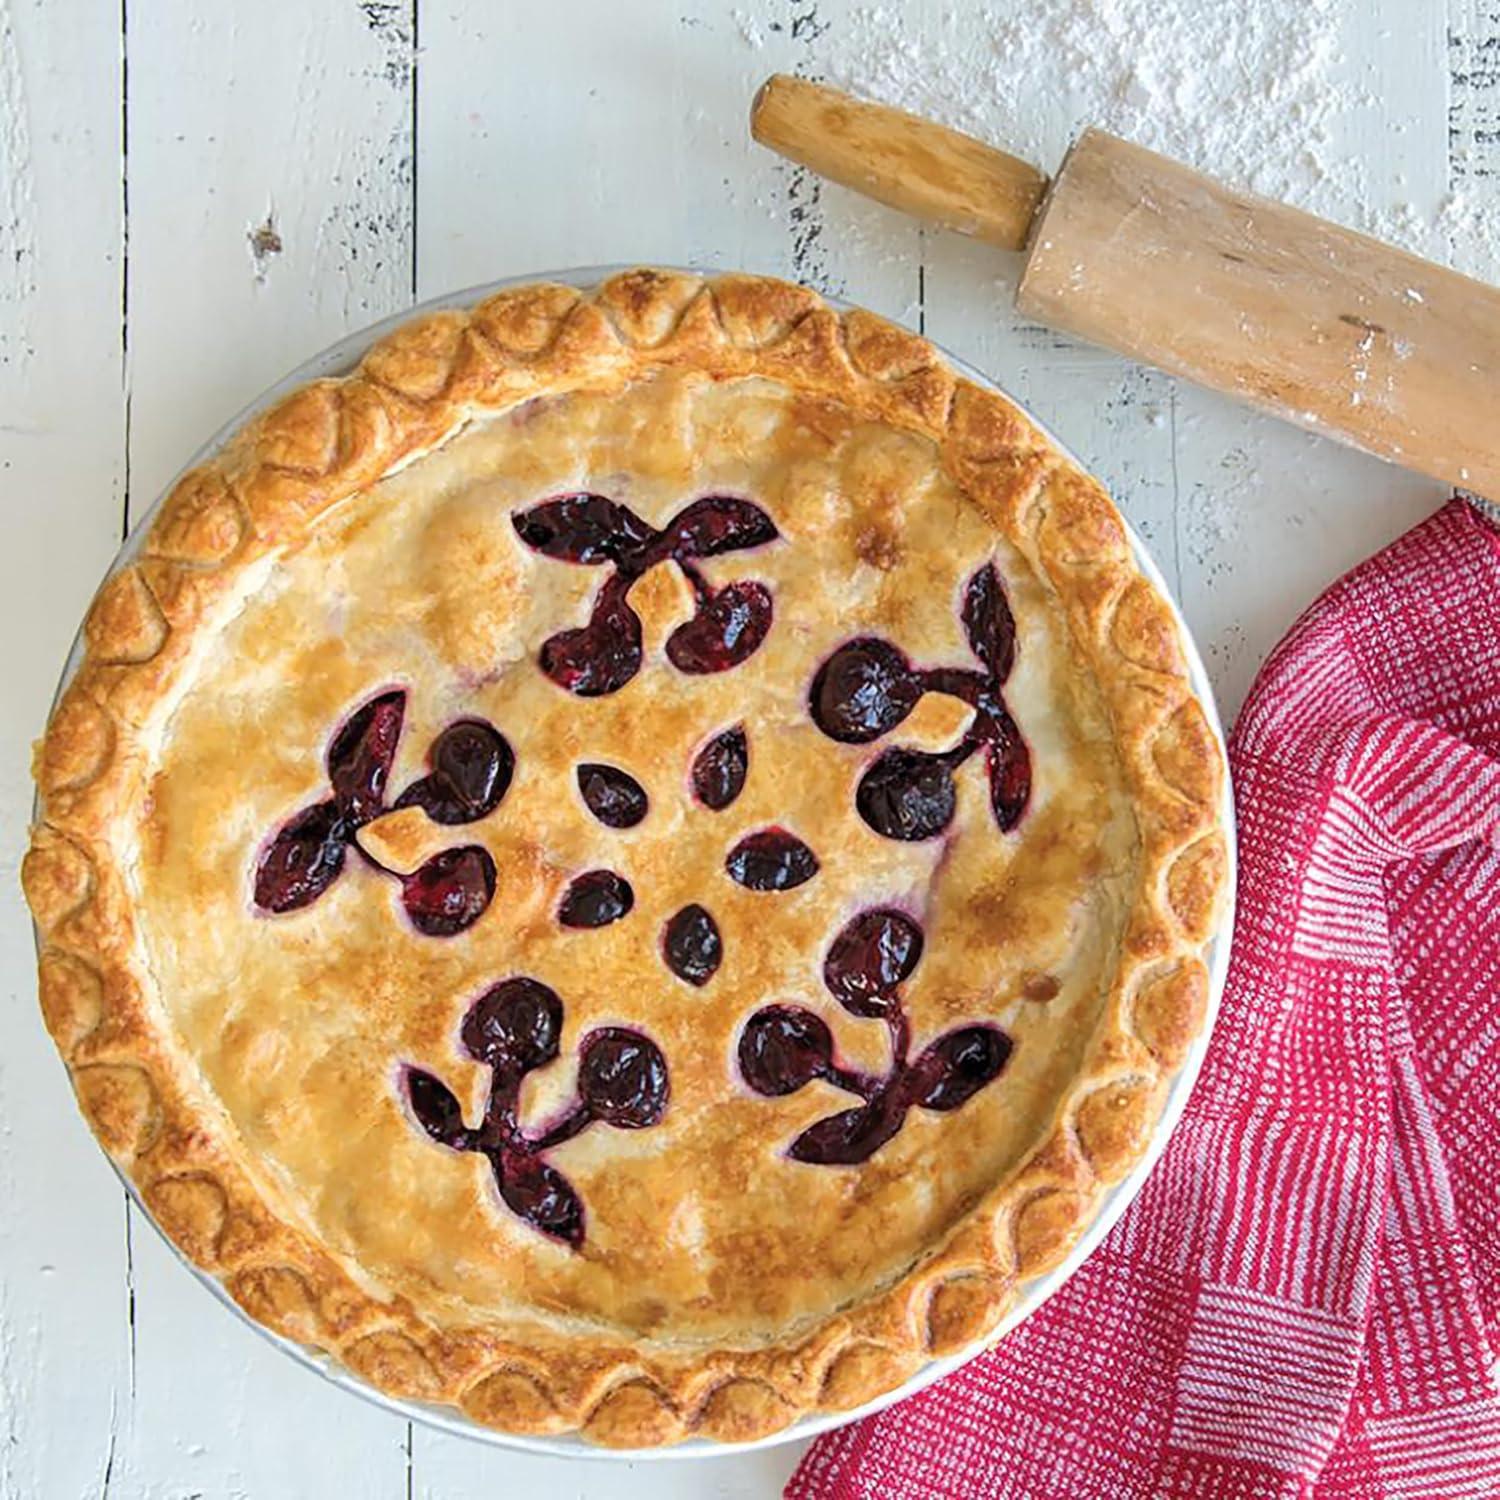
(641, 1340)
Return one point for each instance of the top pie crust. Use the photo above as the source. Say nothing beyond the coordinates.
(250, 1071)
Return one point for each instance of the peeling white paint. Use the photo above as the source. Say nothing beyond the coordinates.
(385, 147)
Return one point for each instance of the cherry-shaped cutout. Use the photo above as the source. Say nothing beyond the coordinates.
(472, 767)
(864, 690)
(720, 767)
(622, 1078)
(586, 529)
(595, 899)
(360, 756)
(303, 860)
(907, 795)
(437, 1111)
(783, 1048)
(873, 953)
(851, 1136)
(614, 796)
(692, 946)
(450, 892)
(727, 629)
(771, 860)
(956, 1066)
(599, 658)
(539, 1194)
(514, 1026)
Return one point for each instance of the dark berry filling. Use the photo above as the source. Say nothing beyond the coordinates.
(771, 860)
(471, 769)
(728, 624)
(908, 794)
(360, 756)
(303, 860)
(720, 767)
(867, 687)
(599, 658)
(514, 1028)
(595, 899)
(782, 1048)
(450, 892)
(614, 796)
(472, 766)
(588, 529)
(727, 629)
(692, 946)
(622, 1078)
(869, 958)
(864, 690)
(956, 1066)
(851, 1136)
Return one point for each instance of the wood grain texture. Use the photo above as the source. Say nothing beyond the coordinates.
(270, 210)
(387, 144)
(1320, 326)
(65, 1361)
(899, 159)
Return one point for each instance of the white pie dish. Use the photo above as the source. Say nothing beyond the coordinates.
(344, 355)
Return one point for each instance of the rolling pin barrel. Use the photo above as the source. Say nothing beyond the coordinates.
(1327, 328)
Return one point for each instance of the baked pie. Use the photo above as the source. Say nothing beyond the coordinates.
(635, 864)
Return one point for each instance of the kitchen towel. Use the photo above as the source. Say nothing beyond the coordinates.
(1303, 1300)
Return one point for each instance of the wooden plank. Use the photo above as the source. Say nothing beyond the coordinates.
(270, 207)
(642, 153)
(64, 1343)
(1268, 517)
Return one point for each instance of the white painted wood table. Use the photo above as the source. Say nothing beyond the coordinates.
(195, 197)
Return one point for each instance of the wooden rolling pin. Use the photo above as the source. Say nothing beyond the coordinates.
(1330, 329)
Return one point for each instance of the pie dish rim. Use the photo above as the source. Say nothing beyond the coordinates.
(1033, 1289)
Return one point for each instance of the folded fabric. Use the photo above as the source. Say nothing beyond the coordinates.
(1303, 1300)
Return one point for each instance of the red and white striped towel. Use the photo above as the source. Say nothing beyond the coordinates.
(1304, 1299)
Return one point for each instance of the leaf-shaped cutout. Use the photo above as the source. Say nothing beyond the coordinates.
(450, 892)
(438, 1112)
(720, 768)
(360, 756)
(783, 1048)
(1008, 764)
(514, 1026)
(853, 1135)
(907, 795)
(472, 768)
(622, 1077)
(614, 796)
(719, 523)
(595, 899)
(303, 860)
(588, 529)
(727, 629)
(957, 1065)
(539, 1194)
(988, 622)
(771, 860)
(692, 946)
(601, 657)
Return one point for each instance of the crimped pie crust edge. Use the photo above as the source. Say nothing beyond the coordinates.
(335, 437)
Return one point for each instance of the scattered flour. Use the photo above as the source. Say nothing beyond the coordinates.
(1261, 95)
